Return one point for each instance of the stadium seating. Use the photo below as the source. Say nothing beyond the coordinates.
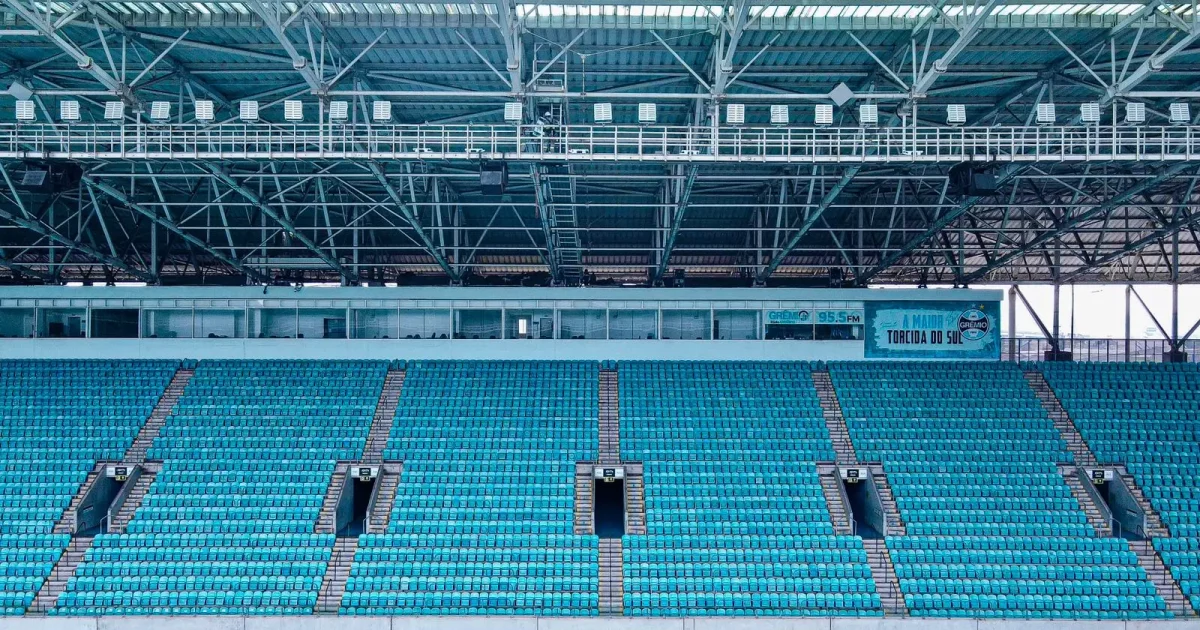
(482, 522)
(736, 519)
(57, 419)
(1144, 415)
(227, 525)
(993, 530)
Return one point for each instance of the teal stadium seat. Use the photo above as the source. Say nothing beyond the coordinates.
(227, 525)
(1145, 416)
(736, 519)
(992, 527)
(483, 520)
(57, 419)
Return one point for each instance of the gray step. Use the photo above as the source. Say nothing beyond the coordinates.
(612, 577)
(1160, 575)
(136, 453)
(1094, 515)
(835, 422)
(132, 502)
(385, 416)
(388, 483)
(60, 575)
(66, 522)
(837, 508)
(584, 485)
(1155, 528)
(327, 518)
(895, 522)
(884, 575)
(337, 572)
(1061, 419)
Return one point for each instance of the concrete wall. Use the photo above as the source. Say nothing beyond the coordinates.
(469, 349)
(548, 623)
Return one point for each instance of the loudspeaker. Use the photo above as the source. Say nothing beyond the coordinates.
(969, 179)
(1061, 355)
(1175, 356)
(493, 177)
(49, 177)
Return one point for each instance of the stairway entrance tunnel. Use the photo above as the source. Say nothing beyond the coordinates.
(609, 508)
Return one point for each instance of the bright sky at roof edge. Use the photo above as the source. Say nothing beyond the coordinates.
(1099, 309)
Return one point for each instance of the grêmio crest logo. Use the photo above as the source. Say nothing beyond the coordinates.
(973, 324)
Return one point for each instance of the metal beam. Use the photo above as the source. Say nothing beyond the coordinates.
(299, 62)
(683, 195)
(965, 35)
(933, 230)
(82, 59)
(1120, 199)
(1164, 232)
(413, 221)
(811, 220)
(1151, 65)
(280, 218)
(174, 228)
(48, 232)
(543, 198)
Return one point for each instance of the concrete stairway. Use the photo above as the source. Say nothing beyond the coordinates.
(136, 453)
(610, 424)
(66, 522)
(584, 485)
(839, 512)
(1160, 575)
(54, 585)
(635, 499)
(333, 587)
(895, 524)
(327, 519)
(133, 500)
(884, 574)
(612, 577)
(1095, 515)
(834, 420)
(1062, 420)
(1154, 525)
(385, 415)
(380, 513)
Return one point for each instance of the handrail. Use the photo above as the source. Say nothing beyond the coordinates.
(837, 472)
(879, 500)
(603, 142)
(122, 495)
(1101, 504)
(371, 503)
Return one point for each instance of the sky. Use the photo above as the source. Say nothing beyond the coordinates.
(1097, 311)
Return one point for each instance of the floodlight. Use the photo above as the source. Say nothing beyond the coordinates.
(293, 111)
(514, 112)
(339, 112)
(1135, 113)
(868, 114)
(956, 114)
(779, 115)
(114, 110)
(25, 111)
(1181, 114)
(1089, 113)
(381, 111)
(205, 111)
(1046, 115)
(602, 113)
(248, 111)
(160, 111)
(735, 114)
(823, 115)
(68, 111)
(647, 113)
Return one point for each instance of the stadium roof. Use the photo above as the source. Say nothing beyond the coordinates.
(191, 198)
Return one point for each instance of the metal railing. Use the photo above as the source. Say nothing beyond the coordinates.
(135, 473)
(1097, 500)
(1097, 350)
(602, 142)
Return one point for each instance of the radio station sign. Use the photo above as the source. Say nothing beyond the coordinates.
(815, 316)
(933, 330)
